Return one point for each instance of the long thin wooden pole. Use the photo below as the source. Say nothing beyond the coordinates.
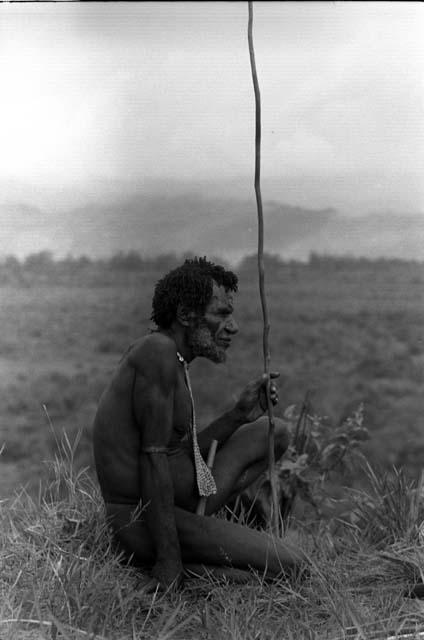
(261, 269)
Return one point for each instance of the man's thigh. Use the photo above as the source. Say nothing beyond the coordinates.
(242, 449)
(246, 448)
(239, 451)
(226, 471)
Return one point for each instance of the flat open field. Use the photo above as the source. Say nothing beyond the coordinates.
(349, 331)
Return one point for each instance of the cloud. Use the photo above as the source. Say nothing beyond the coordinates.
(149, 89)
(302, 151)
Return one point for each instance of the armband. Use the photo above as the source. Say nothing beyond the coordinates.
(154, 449)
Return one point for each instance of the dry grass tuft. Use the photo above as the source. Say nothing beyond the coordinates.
(61, 579)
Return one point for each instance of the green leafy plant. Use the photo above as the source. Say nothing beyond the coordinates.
(318, 450)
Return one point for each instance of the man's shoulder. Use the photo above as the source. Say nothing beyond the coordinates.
(154, 352)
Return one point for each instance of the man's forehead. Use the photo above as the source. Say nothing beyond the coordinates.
(221, 297)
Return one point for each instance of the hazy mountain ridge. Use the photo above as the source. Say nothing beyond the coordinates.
(153, 222)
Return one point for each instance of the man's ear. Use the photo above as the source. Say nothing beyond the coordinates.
(185, 316)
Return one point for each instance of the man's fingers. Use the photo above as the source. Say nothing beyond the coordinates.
(273, 396)
(272, 387)
(266, 376)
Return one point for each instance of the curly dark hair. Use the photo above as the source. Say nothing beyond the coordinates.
(191, 286)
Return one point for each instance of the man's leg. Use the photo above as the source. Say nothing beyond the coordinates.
(238, 463)
(209, 541)
(214, 541)
(243, 458)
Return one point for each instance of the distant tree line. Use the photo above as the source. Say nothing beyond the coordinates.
(43, 267)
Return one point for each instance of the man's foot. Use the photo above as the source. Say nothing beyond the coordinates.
(214, 572)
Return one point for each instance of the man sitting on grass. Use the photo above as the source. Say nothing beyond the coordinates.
(149, 459)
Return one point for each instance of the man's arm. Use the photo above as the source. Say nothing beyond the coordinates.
(153, 400)
(250, 406)
(220, 429)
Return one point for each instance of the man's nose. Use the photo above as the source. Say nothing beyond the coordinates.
(232, 326)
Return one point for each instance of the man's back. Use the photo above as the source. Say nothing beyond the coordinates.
(118, 432)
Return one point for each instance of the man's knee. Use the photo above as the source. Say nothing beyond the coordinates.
(281, 433)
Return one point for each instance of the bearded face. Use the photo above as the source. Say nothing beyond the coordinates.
(210, 335)
(203, 344)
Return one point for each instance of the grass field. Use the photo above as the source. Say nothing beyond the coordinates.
(348, 331)
(60, 578)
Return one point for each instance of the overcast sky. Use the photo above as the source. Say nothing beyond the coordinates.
(135, 90)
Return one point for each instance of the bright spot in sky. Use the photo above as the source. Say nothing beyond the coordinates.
(153, 89)
(123, 93)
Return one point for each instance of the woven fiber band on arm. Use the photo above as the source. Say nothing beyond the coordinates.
(154, 449)
(205, 481)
